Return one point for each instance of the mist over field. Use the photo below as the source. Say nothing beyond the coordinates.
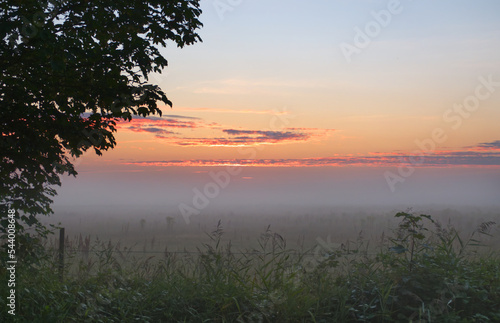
(285, 187)
(301, 204)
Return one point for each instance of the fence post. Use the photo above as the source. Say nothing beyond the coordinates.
(61, 254)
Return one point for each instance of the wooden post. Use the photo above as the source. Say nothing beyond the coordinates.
(61, 254)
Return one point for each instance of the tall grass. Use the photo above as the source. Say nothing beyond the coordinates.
(423, 272)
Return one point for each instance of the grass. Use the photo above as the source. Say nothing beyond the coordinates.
(422, 272)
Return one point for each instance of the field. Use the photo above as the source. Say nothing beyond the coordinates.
(304, 265)
(301, 227)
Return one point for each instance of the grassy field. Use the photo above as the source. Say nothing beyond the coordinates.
(302, 228)
(344, 267)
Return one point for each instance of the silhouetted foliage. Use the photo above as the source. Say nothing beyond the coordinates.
(69, 69)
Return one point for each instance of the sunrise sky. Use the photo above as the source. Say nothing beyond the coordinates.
(357, 90)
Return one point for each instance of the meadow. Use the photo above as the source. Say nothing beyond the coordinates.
(305, 265)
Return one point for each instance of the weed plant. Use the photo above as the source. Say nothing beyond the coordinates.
(423, 272)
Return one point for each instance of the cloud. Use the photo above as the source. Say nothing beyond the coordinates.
(438, 159)
(155, 130)
(238, 141)
(167, 123)
(246, 137)
(162, 127)
(258, 136)
(171, 121)
(244, 111)
(180, 117)
(490, 145)
(263, 85)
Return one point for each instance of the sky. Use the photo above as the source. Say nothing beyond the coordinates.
(320, 102)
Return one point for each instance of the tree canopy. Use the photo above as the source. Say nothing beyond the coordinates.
(69, 70)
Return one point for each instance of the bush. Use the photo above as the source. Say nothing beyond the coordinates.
(424, 273)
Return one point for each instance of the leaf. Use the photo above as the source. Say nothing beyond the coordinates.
(86, 58)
